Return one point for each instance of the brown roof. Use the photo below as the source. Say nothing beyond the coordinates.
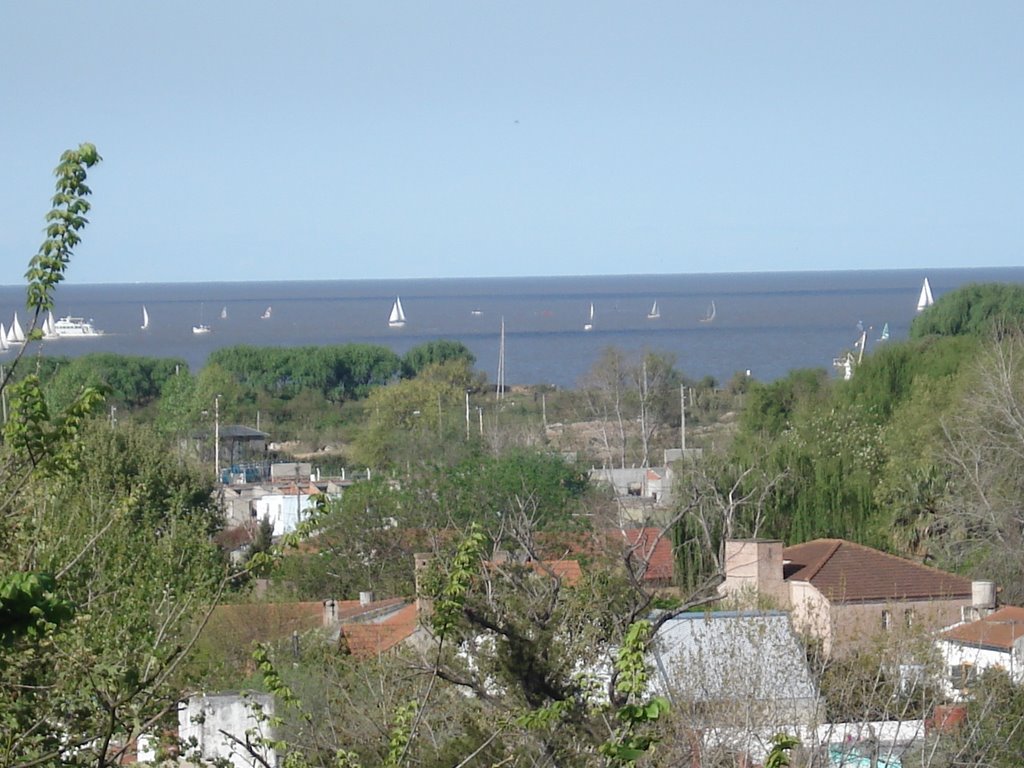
(646, 544)
(643, 541)
(246, 623)
(852, 573)
(999, 630)
(366, 639)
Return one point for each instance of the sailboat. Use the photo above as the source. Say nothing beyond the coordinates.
(590, 322)
(49, 327)
(885, 333)
(266, 314)
(397, 317)
(224, 313)
(15, 335)
(710, 314)
(654, 314)
(145, 318)
(3, 338)
(202, 327)
(925, 299)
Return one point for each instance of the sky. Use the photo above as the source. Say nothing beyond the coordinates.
(354, 140)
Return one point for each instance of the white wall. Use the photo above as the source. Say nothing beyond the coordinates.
(284, 511)
(212, 721)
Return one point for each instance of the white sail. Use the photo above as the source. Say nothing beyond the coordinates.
(654, 314)
(3, 338)
(49, 327)
(885, 333)
(14, 334)
(266, 314)
(590, 322)
(710, 314)
(925, 299)
(223, 313)
(397, 317)
(145, 318)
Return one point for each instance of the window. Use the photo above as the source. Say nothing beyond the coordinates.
(886, 620)
(962, 676)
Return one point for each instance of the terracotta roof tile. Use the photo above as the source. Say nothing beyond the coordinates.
(998, 630)
(662, 564)
(850, 573)
(366, 639)
(614, 543)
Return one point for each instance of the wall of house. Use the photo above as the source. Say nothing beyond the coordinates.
(978, 659)
(812, 614)
(845, 628)
(206, 720)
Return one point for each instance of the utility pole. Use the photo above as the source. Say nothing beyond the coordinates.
(682, 415)
(467, 414)
(216, 436)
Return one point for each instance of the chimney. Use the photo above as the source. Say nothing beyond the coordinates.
(330, 613)
(753, 572)
(424, 602)
(365, 598)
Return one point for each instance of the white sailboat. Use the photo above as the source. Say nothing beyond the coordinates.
(590, 322)
(710, 314)
(266, 314)
(925, 299)
(397, 317)
(654, 314)
(15, 335)
(202, 327)
(145, 318)
(224, 313)
(885, 333)
(49, 327)
(3, 338)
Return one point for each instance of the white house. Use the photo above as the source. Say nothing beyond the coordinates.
(995, 640)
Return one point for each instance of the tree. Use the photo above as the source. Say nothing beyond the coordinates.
(105, 557)
(980, 519)
(432, 353)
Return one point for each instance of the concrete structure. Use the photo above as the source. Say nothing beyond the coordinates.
(968, 649)
(841, 593)
(216, 727)
(644, 493)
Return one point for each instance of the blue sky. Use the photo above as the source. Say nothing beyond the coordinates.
(266, 140)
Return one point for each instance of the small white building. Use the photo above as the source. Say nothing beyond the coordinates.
(995, 640)
(218, 727)
(285, 509)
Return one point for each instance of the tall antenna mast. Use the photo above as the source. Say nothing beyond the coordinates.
(500, 389)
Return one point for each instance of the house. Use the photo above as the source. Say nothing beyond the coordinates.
(642, 492)
(994, 640)
(364, 628)
(841, 593)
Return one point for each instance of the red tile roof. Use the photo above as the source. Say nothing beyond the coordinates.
(366, 639)
(999, 630)
(852, 573)
(643, 542)
(246, 623)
